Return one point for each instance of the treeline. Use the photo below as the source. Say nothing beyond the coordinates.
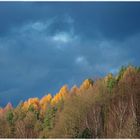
(106, 108)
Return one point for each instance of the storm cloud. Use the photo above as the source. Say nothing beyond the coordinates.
(44, 45)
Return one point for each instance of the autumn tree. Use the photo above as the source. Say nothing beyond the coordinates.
(106, 108)
(60, 95)
(86, 84)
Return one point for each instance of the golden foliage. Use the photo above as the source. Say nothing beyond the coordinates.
(86, 85)
(45, 101)
(31, 101)
(60, 95)
(93, 111)
(75, 90)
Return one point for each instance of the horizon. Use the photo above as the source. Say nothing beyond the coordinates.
(69, 88)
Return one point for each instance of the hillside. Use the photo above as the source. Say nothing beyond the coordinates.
(108, 107)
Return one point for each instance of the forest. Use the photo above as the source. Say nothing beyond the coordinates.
(107, 107)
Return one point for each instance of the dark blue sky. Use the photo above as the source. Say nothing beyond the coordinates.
(44, 45)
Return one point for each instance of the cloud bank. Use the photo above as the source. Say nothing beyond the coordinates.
(39, 55)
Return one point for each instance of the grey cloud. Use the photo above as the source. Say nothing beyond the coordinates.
(45, 51)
